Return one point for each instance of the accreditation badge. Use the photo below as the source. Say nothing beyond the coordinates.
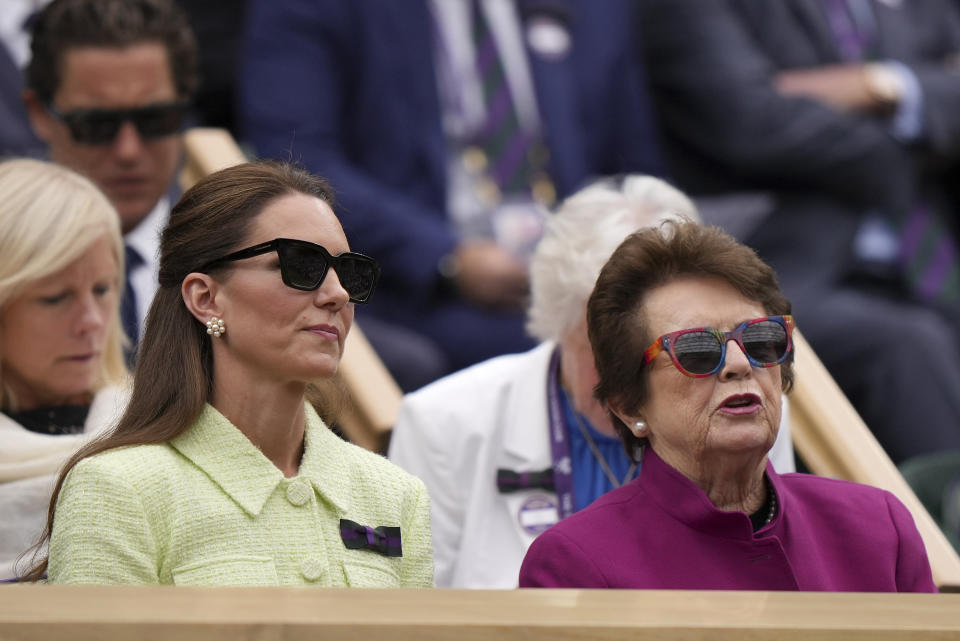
(538, 513)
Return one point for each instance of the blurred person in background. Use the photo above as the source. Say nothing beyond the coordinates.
(62, 374)
(108, 88)
(830, 132)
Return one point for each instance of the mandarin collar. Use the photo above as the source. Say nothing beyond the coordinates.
(683, 499)
(248, 477)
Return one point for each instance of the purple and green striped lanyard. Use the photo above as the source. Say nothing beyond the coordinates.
(559, 442)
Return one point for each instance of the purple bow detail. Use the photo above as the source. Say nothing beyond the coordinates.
(509, 481)
(384, 540)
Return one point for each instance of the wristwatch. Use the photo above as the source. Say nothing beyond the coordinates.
(883, 83)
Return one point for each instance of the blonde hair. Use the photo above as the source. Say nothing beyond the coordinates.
(49, 217)
(579, 239)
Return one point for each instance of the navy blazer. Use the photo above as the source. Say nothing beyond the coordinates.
(16, 135)
(349, 89)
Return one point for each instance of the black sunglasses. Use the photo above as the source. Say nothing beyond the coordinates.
(100, 126)
(304, 265)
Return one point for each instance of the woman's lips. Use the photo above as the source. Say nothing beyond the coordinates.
(740, 404)
(81, 358)
(326, 331)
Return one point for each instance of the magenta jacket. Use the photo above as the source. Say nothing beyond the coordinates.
(661, 532)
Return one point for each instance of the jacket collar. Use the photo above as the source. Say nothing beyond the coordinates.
(529, 442)
(683, 500)
(248, 477)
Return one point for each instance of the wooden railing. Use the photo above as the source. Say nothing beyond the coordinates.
(828, 434)
(112, 613)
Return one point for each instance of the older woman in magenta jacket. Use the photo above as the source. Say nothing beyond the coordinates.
(692, 341)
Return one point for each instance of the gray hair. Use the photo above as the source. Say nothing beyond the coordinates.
(582, 235)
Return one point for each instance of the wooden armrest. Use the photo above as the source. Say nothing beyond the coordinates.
(208, 149)
(834, 441)
(374, 395)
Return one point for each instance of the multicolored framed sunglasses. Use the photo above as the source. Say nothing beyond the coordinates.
(304, 265)
(701, 351)
(100, 126)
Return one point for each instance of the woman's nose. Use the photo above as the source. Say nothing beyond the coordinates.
(736, 364)
(331, 291)
(91, 315)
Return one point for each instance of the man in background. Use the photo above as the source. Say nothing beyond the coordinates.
(107, 90)
(830, 131)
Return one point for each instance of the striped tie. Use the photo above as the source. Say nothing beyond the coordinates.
(128, 304)
(928, 250)
(851, 40)
(512, 154)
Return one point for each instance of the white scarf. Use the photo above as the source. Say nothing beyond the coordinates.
(25, 454)
(29, 463)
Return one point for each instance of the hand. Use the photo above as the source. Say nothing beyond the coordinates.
(489, 275)
(843, 87)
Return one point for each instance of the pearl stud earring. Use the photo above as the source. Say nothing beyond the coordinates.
(215, 327)
(639, 427)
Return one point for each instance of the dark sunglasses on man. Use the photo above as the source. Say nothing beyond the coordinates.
(304, 265)
(100, 126)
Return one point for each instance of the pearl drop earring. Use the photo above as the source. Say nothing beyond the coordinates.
(215, 327)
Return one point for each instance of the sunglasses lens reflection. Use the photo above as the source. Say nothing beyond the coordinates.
(358, 275)
(765, 342)
(700, 352)
(305, 266)
(697, 352)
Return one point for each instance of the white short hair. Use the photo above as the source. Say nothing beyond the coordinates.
(49, 217)
(582, 235)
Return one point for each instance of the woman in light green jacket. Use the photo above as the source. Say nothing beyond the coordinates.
(221, 472)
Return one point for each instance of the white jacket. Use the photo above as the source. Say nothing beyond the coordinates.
(455, 433)
(29, 464)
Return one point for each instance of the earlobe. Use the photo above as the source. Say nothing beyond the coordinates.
(635, 424)
(199, 292)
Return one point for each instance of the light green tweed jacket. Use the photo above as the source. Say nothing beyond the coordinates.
(208, 508)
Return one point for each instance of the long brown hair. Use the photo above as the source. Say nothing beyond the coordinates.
(174, 373)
